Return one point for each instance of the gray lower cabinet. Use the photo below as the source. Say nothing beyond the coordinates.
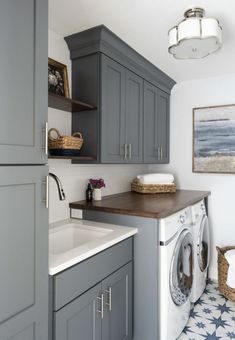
(80, 319)
(156, 124)
(23, 94)
(121, 113)
(117, 288)
(23, 253)
(93, 299)
(103, 312)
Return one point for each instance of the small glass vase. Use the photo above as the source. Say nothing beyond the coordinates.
(97, 194)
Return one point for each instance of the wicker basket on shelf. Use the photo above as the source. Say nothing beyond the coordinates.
(223, 265)
(64, 145)
(152, 188)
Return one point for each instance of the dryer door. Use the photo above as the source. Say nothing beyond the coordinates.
(203, 244)
(181, 269)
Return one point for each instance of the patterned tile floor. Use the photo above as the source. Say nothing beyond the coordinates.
(211, 318)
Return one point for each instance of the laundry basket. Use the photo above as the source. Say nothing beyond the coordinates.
(64, 145)
(223, 265)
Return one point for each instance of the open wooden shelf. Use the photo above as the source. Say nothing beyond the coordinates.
(67, 104)
(74, 158)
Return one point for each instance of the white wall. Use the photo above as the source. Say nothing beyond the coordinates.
(185, 96)
(74, 177)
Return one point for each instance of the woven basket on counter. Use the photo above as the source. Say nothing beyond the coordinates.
(223, 265)
(152, 188)
(64, 145)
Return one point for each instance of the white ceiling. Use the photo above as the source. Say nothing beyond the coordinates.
(144, 24)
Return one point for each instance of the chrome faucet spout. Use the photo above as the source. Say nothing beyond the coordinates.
(59, 186)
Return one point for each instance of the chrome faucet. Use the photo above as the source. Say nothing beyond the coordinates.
(59, 186)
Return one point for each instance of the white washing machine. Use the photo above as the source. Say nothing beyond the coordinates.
(201, 236)
(176, 273)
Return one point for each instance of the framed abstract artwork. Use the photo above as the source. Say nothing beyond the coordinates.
(214, 139)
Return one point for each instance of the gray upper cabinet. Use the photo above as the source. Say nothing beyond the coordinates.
(163, 124)
(121, 114)
(23, 95)
(117, 322)
(23, 253)
(113, 108)
(134, 118)
(80, 319)
(110, 74)
(156, 124)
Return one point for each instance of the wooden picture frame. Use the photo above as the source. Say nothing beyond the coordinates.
(214, 139)
(57, 78)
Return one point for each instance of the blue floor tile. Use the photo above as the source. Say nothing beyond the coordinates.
(211, 318)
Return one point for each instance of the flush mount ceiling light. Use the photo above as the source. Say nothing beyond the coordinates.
(196, 36)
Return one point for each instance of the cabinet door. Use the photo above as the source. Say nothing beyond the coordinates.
(134, 117)
(113, 111)
(23, 92)
(117, 322)
(23, 253)
(156, 125)
(80, 319)
(150, 123)
(163, 126)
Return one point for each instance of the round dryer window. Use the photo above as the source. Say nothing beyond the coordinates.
(203, 244)
(181, 270)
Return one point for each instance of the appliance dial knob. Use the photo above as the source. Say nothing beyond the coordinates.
(182, 219)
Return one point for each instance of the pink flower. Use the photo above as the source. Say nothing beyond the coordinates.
(97, 183)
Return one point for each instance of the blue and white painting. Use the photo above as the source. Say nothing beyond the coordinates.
(214, 139)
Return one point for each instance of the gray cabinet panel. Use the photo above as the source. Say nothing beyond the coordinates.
(80, 319)
(156, 125)
(150, 122)
(113, 111)
(23, 95)
(134, 117)
(25, 334)
(23, 253)
(117, 322)
(163, 125)
(17, 248)
(122, 114)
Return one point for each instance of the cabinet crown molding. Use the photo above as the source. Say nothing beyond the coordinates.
(101, 39)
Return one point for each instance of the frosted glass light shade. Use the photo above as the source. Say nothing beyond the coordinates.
(195, 38)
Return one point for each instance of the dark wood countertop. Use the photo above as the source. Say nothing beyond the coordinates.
(145, 205)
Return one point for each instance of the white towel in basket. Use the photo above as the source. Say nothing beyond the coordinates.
(156, 178)
(230, 257)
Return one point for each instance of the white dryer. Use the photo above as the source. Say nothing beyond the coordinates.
(175, 273)
(201, 236)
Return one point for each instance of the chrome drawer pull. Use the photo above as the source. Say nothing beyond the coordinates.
(109, 303)
(45, 130)
(130, 155)
(101, 298)
(125, 151)
(46, 200)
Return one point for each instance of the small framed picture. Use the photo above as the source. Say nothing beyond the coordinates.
(57, 78)
(214, 139)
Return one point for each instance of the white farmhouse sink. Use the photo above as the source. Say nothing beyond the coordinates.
(73, 235)
(72, 241)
